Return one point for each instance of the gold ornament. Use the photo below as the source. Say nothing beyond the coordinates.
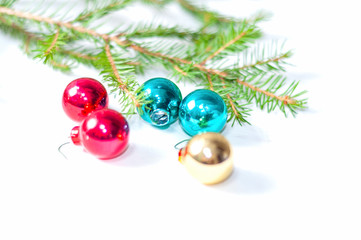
(208, 157)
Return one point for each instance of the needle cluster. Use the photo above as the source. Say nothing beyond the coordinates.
(224, 54)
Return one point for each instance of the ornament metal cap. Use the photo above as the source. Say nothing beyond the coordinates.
(74, 135)
(159, 117)
(162, 99)
(208, 157)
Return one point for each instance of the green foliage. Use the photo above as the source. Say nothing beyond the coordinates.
(263, 59)
(235, 38)
(127, 80)
(98, 9)
(152, 30)
(157, 3)
(214, 19)
(272, 84)
(49, 45)
(206, 16)
(7, 3)
(224, 54)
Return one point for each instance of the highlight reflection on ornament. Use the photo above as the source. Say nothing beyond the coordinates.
(83, 96)
(104, 133)
(208, 157)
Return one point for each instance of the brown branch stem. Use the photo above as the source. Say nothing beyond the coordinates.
(79, 55)
(285, 99)
(206, 14)
(13, 25)
(210, 82)
(106, 37)
(85, 16)
(134, 46)
(32, 37)
(179, 70)
(116, 74)
(276, 59)
(53, 43)
(234, 109)
(67, 25)
(221, 49)
(58, 65)
(179, 60)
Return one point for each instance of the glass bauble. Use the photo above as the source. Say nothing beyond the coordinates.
(104, 133)
(208, 157)
(83, 96)
(163, 98)
(202, 111)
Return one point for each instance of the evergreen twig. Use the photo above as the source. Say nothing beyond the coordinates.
(117, 76)
(202, 58)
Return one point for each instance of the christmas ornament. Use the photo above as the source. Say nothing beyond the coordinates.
(202, 111)
(103, 133)
(164, 98)
(83, 96)
(208, 157)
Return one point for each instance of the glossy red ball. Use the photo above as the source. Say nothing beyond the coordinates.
(104, 133)
(83, 96)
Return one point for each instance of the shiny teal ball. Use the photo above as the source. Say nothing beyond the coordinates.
(202, 111)
(163, 98)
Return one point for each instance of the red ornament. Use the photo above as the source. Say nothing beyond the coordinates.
(83, 96)
(104, 133)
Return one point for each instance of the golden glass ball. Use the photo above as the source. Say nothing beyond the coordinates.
(208, 157)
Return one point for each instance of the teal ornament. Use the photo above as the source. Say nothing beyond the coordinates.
(202, 111)
(162, 98)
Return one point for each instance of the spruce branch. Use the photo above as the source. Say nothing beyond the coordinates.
(30, 38)
(209, 78)
(222, 48)
(60, 66)
(122, 85)
(284, 99)
(149, 30)
(200, 56)
(97, 10)
(267, 98)
(213, 18)
(204, 14)
(15, 30)
(178, 69)
(156, 2)
(67, 25)
(107, 37)
(143, 50)
(51, 45)
(267, 63)
(235, 113)
(79, 55)
(263, 59)
(7, 3)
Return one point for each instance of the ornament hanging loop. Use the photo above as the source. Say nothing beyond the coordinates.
(60, 147)
(179, 143)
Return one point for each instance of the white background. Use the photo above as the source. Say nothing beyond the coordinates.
(294, 178)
